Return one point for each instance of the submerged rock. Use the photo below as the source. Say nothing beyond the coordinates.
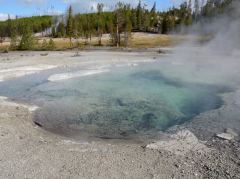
(148, 121)
(229, 134)
(225, 136)
(231, 131)
(180, 144)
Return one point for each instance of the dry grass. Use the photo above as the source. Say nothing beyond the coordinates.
(150, 40)
(4, 46)
(138, 40)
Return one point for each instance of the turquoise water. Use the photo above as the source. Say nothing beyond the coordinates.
(121, 103)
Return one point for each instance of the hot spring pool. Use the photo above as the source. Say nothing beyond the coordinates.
(120, 103)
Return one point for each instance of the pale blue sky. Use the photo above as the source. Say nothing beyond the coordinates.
(40, 7)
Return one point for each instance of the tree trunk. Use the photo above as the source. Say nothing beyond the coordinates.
(100, 40)
(90, 37)
(99, 37)
(117, 35)
(126, 39)
(119, 39)
(70, 39)
(1, 40)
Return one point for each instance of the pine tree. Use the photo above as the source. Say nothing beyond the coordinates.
(14, 38)
(2, 34)
(127, 24)
(69, 28)
(153, 16)
(53, 31)
(27, 40)
(91, 26)
(118, 24)
(153, 10)
(100, 23)
(139, 15)
(146, 20)
(164, 25)
(134, 19)
(9, 24)
(61, 32)
(13, 42)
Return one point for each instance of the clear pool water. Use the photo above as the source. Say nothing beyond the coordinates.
(124, 102)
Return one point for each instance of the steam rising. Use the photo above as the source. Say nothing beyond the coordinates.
(216, 58)
(225, 30)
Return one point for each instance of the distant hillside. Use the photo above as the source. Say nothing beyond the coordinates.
(36, 23)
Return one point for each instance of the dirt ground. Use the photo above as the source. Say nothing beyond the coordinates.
(191, 150)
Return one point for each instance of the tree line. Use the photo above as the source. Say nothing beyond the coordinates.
(126, 19)
(119, 23)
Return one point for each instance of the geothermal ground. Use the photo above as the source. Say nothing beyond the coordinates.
(206, 146)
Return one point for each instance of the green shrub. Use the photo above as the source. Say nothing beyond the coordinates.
(27, 40)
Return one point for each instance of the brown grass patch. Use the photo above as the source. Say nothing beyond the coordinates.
(138, 40)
